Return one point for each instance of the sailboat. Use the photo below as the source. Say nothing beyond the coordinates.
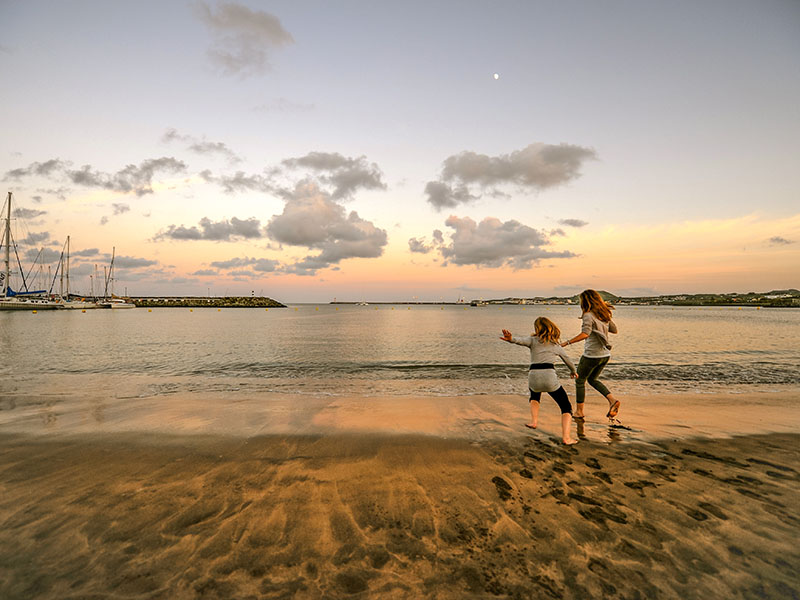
(68, 301)
(19, 300)
(113, 301)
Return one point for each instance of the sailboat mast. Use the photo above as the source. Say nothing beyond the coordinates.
(67, 268)
(7, 271)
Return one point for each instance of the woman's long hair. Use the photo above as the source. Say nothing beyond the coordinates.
(592, 302)
(546, 330)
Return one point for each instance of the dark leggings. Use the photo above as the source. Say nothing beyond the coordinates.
(589, 369)
(560, 396)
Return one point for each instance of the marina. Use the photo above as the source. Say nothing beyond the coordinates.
(24, 298)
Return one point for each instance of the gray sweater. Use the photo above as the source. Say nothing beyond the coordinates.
(597, 344)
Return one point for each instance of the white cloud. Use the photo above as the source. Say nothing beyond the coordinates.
(344, 174)
(493, 243)
(573, 222)
(244, 37)
(201, 145)
(132, 178)
(311, 218)
(468, 175)
(225, 230)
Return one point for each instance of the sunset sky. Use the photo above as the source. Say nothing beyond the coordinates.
(355, 150)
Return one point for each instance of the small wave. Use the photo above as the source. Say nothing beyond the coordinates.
(719, 372)
(722, 372)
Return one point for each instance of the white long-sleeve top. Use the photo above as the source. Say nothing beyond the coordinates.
(544, 380)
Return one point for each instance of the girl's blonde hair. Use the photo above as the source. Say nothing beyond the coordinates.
(592, 302)
(546, 330)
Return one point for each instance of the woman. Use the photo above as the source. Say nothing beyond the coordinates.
(542, 374)
(597, 324)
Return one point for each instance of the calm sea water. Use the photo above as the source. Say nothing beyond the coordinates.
(368, 350)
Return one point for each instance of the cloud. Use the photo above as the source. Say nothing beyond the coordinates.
(442, 195)
(103, 220)
(240, 182)
(43, 256)
(573, 222)
(130, 262)
(41, 169)
(205, 273)
(422, 247)
(341, 176)
(262, 265)
(132, 178)
(60, 193)
(201, 146)
(244, 37)
(311, 218)
(175, 280)
(219, 231)
(28, 213)
(345, 174)
(120, 208)
(87, 252)
(36, 239)
(779, 241)
(415, 245)
(468, 175)
(493, 243)
(231, 263)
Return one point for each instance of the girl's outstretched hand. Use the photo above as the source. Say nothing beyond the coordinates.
(506, 335)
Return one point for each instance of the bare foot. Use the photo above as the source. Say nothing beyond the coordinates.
(613, 409)
(569, 442)
(531, 425)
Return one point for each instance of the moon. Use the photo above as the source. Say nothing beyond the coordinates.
(496, 75)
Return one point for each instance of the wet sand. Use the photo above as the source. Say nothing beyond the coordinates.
(137, 514)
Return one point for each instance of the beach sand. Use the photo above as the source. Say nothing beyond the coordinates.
(356, 509)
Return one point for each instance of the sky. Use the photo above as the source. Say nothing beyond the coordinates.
(380, 151)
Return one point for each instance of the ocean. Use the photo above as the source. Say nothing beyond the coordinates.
(307, 352)
(381, 451)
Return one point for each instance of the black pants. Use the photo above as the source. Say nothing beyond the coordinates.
(560, 396)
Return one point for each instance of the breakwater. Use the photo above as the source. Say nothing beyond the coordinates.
(206, 302)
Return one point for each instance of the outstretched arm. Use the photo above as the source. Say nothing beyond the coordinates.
(578, 338)
(507, 337)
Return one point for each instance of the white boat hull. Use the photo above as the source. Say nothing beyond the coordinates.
(78, 305)
(16, 303)
(116, 305)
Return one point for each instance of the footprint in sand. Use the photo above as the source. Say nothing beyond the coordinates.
(714, 510)
(603, 476)
(639, 486)
(593, 463)
(503, 487)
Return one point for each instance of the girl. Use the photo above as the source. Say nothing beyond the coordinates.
(542, 375)
(597, 324)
